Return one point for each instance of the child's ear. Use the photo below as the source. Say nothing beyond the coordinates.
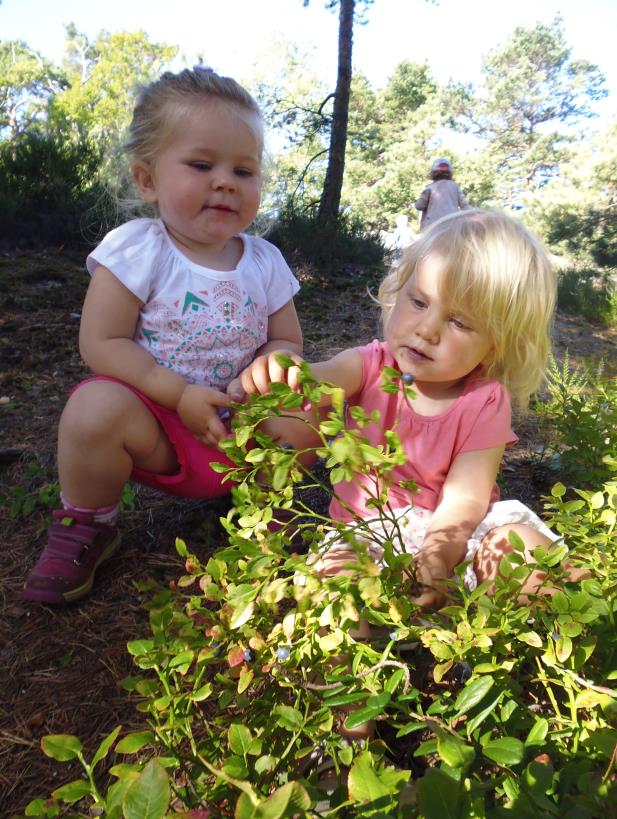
(143, 176)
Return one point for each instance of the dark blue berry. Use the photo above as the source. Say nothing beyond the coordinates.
(282, 653)
(555, 635)
(408, 379)
(248, 655)
(462, 672)
(393, 635)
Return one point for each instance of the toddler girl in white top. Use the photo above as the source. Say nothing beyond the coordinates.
(176, 308)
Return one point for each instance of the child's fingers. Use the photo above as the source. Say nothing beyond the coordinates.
(235, 390)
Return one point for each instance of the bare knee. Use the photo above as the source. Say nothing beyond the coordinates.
(98, 409)
(496, 545)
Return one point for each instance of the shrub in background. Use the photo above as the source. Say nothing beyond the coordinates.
(589, 293)
(579, 422)
(48, 186)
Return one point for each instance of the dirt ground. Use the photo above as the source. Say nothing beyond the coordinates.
(59, 669)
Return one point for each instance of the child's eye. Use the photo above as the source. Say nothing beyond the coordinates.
(418, 303)
(200, 166)
(243, 172)
(459, 323)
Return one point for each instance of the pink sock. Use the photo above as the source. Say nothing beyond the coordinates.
(102, 514)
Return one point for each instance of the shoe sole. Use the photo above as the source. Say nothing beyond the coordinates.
(58, 598)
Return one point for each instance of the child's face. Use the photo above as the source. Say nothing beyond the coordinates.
(207, 181)
(428, 337)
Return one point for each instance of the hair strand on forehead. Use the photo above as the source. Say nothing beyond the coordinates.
(496, 272)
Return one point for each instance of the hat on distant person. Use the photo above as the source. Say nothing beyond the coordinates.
(441, 165)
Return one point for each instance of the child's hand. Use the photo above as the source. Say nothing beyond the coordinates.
(262, 372)
(431, 571)
(197, 410)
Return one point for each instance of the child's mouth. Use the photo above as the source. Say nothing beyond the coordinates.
(417, 355)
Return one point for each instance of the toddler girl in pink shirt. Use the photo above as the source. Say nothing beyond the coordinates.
(466, 318)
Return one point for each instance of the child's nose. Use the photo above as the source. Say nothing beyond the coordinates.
(223, 180)
(428, 328)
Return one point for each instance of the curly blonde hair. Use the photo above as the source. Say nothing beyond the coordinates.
(494, 270)
(161, 106)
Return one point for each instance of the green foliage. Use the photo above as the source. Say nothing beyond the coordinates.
(588, 292)
(48, 186)
(579, 422)
(298, 235)
(500, 707)
(591, 232)
(35, 491)
(27, 82)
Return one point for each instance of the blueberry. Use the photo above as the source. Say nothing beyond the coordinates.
(463, 672)
(555, 635)
(407, 379)
(393, 635)
(282, 653)
(248, 655)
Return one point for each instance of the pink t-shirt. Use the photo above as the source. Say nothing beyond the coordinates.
(479, 419)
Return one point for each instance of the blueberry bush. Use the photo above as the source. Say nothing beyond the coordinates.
(490, 707)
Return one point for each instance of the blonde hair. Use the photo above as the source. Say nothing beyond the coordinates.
(494, 270)
(161, 105)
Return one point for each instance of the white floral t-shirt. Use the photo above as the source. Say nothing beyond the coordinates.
(204, 324)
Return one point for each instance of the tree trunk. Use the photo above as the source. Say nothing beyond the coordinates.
(331, 194)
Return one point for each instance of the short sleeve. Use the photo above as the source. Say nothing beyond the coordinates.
(132, 252)
(279, 282)
(489, 406)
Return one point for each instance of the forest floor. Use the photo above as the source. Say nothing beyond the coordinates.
(60, 668)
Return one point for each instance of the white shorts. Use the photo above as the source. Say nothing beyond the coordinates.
(413, 522)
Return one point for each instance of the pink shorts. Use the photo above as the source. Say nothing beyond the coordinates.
(195, 477)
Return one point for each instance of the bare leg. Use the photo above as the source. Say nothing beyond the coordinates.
(496, 546)
(104, 431)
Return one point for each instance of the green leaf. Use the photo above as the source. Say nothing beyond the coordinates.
(239, 738)
(182, 661)
(148, 797)
(373, 708)
(489, 708)
(504, 751)
(363, 783)
(288, 717)
(138, 647)
(531, 638)
(42, 807)
(181, 548)
(473, 693)
(242, 615)
(62, 747)
(439, 795)
(286, 801)
(455, 752)
(538, 733)
(134, 742)
(73, 791)
(105, 745)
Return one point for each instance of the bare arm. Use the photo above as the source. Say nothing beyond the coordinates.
(344, 370)
(109, 318)
(462, 506)
(284, 332)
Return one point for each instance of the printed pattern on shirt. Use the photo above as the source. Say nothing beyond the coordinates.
(208, 336)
